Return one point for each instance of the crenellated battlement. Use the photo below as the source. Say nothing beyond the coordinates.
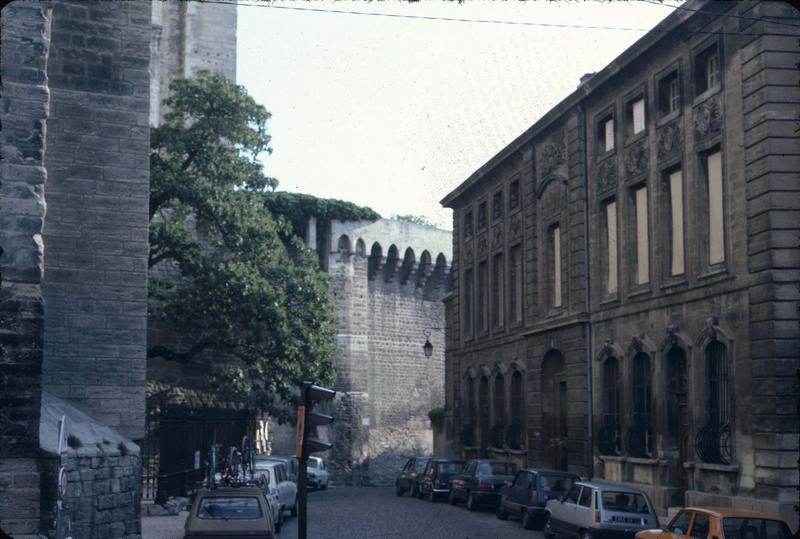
(400, 257)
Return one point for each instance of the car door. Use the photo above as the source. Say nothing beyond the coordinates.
(678, 528)
(404, 481)
(524, 486)
(459, 482)
(700, 526)
(565, 511)
(512, 493)
(584, 509)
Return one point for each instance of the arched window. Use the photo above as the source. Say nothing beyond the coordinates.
(713, 442)
(514, 431)
(483, 402)
(609, 435)
(497, 435)
(640, 435)
(468, 433)
(344, 245)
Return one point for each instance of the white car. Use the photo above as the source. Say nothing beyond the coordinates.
(265, 480)
(317, 474)
(287, 490)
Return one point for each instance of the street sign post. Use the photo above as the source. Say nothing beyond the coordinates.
(301, 424)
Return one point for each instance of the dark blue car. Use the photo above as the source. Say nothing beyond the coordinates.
(528, 493)
(435, 480)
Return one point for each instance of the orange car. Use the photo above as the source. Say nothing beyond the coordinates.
(720, 523)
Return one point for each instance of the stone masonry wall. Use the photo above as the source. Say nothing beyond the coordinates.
(96, 229)
(26, 105)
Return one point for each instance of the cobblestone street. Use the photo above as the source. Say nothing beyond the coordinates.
(367, 513)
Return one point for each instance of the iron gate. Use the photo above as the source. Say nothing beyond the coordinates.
(177, 444)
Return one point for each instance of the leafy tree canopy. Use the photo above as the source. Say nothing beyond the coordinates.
(416, 219)
(258, 320)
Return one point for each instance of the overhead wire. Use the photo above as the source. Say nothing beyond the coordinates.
(273, 5)
(730, 15)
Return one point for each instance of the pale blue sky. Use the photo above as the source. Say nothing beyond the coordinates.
(394, 113)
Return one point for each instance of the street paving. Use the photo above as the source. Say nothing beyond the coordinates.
(374, 513)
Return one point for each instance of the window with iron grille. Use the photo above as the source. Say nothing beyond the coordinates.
(483, 296)
(608, 437)
(498, 292)
(714, 442)
(515, 284)
(640, 440)
(468, 299)
(499, 399)
(516, 398)
(483, 402)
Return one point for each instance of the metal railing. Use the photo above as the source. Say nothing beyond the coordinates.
(713, 443)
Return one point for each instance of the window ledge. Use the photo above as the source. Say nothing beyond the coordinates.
(674, 282)
(630, 139)
(613, 458)
(602, 156)
(609, 301)
(640, 293)
(718, 273)
(647, 461)
(706, 94)
(664, 120)
(728, 468)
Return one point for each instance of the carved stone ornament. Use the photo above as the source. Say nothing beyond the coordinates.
(608, 349)
(497, 236)
(711, 330)
(554, 153)
(637, 343)
(670, 141)
(636, 159)
(672, 335)
(516, 227)
(482, 244)
(607, 175)
(707, 119)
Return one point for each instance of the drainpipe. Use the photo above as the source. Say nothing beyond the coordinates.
(587, 282)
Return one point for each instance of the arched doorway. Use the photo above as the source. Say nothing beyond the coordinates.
(677, 392)
(554, 410)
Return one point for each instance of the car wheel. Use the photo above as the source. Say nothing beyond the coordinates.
(501, 513)
(472, 505)
(325, 487)
(419, 493)
(586, 535)
(399, 490)
(549, 533)
(451, 497)
(526, 520)
(293, 510)
(432, 496)
(279, 524)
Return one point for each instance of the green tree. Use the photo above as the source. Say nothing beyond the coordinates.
(416, 219)
(258, 320)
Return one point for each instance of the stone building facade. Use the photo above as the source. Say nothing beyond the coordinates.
(658, 210)
(388, 279)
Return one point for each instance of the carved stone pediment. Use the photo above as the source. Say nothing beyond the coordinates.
(482, 244)
(516, 227)
(708, 118)
(554, 153)
(497, 236)
(670, 141)
(636, 159)
(607, 175)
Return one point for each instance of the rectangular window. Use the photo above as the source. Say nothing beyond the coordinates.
(611, 247)
(483, 290)
(468, 299)
(515, 284)
(635, 115)
(513, 195)
(608, 135)
(555, 266)
(716, 216)
(468, 224)
(706, 70)
(676, 222)
(668, 94)
(497, 291)
(497, 205)
(482, 215)
(642, 238)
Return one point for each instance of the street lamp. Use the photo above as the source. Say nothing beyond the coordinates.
(428, 347)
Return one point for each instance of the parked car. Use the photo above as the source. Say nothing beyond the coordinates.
(480, 482)
(266, 481)
(435, 480)
(291, 464)
(527, 495)
(599, 510)
(287, 490)
(317, 475)
(701, 522)
(235, 512)
(407, 481)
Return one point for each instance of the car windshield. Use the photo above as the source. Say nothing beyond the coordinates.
(556, 483)
(496, 468)
(421, 464)
(624, 502)
(754, 528)
(228, 507)
(448, 467)
(313, 464)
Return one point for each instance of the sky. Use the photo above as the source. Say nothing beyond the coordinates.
(394, 112)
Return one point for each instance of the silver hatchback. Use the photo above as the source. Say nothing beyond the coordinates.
(599, 511)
